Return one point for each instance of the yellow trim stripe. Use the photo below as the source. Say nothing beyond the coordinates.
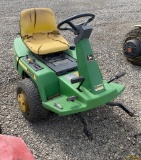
(26, 69)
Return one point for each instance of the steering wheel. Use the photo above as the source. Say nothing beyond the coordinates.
(75, 28)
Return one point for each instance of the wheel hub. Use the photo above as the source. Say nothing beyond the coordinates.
(133, 48)
(22, 100)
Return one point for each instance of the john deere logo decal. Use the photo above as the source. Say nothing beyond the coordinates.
(90, 57)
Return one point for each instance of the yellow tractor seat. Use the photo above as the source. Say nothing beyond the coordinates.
(39, 31)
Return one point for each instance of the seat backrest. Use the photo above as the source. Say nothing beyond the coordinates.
(36, 20)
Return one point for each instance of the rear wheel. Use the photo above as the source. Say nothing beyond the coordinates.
(30, 102)
(132, 46)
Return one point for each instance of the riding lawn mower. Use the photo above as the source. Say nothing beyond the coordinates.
(56, 76)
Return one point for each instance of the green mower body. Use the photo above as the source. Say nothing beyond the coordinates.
(56, 89)
(66, 81)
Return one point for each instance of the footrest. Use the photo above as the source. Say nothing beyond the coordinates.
(61, 106)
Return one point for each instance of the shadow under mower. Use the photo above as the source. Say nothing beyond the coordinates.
(58, 77)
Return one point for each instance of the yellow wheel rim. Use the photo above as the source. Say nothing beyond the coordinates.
(22, 100)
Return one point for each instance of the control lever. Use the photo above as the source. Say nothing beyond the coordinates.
(76, 80)
(119, 75)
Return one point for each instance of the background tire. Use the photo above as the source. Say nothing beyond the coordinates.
(30, 102)
(133, 34)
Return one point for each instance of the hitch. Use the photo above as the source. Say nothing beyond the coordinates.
(125, 108)
(119, 75)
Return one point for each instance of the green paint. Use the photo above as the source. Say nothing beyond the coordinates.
(46, 79)
(88, 69)
(85, 101)
(95, 90)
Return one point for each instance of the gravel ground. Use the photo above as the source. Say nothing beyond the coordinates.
(115, 134)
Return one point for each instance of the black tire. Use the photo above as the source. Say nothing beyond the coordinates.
(34, 110)
(133, 34)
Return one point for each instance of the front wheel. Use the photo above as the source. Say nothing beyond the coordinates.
(30, 102)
